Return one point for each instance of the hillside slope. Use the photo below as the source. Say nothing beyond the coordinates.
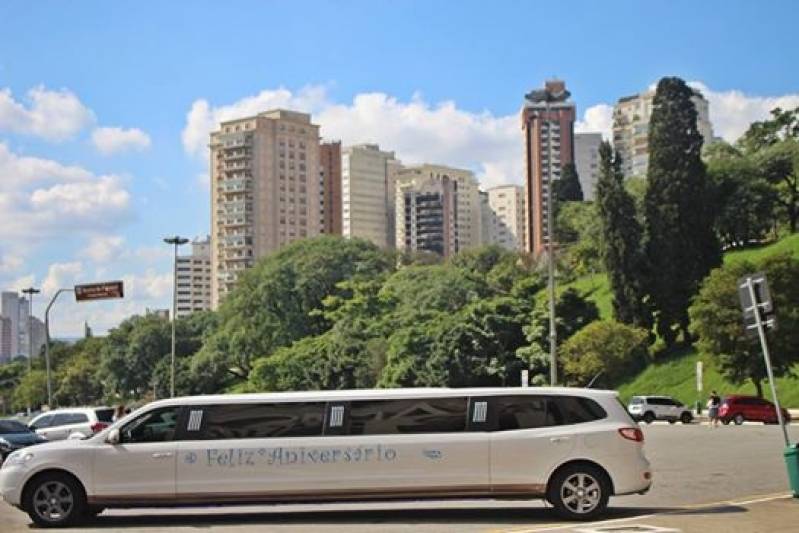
(676, 375)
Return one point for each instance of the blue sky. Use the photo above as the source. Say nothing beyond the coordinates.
(437, 81)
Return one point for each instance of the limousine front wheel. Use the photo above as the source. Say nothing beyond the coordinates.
(579, 492)
(54, 500)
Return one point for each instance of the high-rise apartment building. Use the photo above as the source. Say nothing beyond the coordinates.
(469, 216)
(426, 212)
(15, 310)
(194, 279)
(506, 203)
(547, 114)
(330, 183)
(5, 339)
(586, 161)
(631, 116)
(265, 191)
(367, 184)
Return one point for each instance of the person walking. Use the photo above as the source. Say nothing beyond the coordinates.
(713, 405)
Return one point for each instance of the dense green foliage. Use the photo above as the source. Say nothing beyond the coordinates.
(622, 251)
(681, 243)
(716, 318)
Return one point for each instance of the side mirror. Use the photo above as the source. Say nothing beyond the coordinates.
(113, 436)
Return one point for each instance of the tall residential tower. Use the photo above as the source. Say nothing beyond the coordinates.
(265, 191)
(547, 114)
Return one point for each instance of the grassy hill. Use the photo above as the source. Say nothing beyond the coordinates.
(676, 375)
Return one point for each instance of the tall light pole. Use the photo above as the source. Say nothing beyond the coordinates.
(47, 342)
(30, 291)
(175, 241)
(547, 97)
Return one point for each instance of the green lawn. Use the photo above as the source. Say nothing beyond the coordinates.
(676, 375)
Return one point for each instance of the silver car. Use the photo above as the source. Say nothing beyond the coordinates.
(77, 422)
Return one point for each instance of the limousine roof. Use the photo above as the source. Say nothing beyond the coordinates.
(370, 394)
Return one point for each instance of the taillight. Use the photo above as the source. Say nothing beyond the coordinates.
(634, 434)
(98, 427)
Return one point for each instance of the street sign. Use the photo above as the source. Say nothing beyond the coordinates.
(754, 299)
(99, 291)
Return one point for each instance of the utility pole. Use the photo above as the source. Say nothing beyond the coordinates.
(47, 342)
(30, 291)
(175, 241)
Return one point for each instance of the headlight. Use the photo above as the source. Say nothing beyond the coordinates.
(4, 444)
(20, 457)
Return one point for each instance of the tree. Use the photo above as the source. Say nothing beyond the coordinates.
(568, 188)
(604, 348)
(746, 201)
(572, 313)
(681, 244)
(79, 381)
(780, 167)
(775, 145)
(279, 301)
(716, 319)
(622, 250)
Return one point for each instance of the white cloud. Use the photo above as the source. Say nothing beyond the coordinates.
(10, 263)
(42, 199)
(597, 118)
(114, 140)
(52, 115)
(202, 118)
(104, 248)
(732, 111)
(61, 276)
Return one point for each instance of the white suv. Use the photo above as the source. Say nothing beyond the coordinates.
(73, 423)
(651, 408)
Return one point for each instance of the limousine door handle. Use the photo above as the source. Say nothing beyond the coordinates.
(162, 455)
(558, 440)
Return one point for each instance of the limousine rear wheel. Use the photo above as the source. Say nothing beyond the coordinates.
(54, 499)
(579, 492)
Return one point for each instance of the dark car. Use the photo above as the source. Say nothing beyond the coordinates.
(15, 435)
(740, 409)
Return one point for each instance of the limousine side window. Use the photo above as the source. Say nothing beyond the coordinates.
(251, 421)
(529, 411)
(416, 415)
(156, 426)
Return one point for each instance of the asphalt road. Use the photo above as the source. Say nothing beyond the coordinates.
(693, 465)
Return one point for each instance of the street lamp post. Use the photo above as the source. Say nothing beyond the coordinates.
(547, 97)
(175, 241)
(30, 291)
(47, 343)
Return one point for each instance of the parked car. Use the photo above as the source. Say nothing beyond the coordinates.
(15, 435)
(75, 422)
(651, 408)
(740, 409)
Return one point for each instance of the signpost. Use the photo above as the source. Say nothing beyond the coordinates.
(99, 291)
(83, 293)
(758, 310)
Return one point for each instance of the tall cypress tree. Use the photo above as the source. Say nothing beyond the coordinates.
(681, 244)
(622, 249)
(568, 188)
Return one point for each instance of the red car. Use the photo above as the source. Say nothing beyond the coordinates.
(739, 409)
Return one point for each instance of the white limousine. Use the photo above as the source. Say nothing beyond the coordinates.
(573, 447)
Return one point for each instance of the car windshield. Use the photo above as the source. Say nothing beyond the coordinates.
(12, 426)
(636, 400)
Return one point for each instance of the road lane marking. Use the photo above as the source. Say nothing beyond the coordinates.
(574, 525)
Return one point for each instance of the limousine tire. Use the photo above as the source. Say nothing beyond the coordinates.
(54, 499)
(579, 491)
